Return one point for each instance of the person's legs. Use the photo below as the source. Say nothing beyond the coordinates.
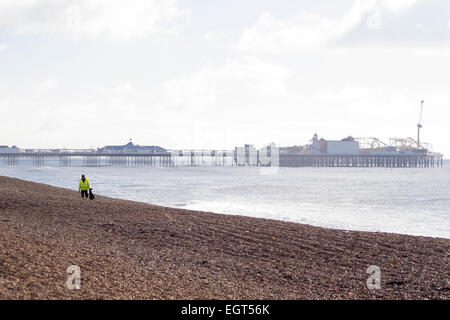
(84, 193)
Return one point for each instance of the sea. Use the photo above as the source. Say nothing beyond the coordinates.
(414, 201)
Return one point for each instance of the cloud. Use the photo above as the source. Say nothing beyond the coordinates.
(396, 5)
(214, 36)
(233, 84)
(301, 32)
(3, 47)
(49, 83)
(92, 19)
(404, 24)
(125, 87)
(367, 22)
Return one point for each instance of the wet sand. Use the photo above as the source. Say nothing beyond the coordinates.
(131, 250)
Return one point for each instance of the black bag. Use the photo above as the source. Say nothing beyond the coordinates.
(91, 195)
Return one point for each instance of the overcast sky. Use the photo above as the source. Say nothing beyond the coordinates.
(216, 74)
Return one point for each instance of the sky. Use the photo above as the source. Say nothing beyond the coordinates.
(209, 74)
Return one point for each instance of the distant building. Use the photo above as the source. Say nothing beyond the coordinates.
(6, 149)
(323, 145)
(346, 146)
(314, 146)
(131, 148)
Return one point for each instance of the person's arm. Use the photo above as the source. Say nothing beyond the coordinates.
(89, 185)
(79, 186)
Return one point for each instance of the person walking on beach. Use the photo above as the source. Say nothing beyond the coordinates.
(84, 186)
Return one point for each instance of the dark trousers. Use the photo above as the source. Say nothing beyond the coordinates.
(84, 193)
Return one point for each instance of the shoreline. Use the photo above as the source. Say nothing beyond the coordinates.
(134, 250)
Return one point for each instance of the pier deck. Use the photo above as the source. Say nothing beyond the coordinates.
(362, 160)
(222, 158)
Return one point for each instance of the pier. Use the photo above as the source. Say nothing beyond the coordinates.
(362, 160)
(87, 159)
(220, 158)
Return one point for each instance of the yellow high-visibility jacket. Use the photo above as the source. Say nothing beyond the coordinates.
(84, 185)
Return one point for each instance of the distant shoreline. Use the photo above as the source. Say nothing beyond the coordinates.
(133, 250)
